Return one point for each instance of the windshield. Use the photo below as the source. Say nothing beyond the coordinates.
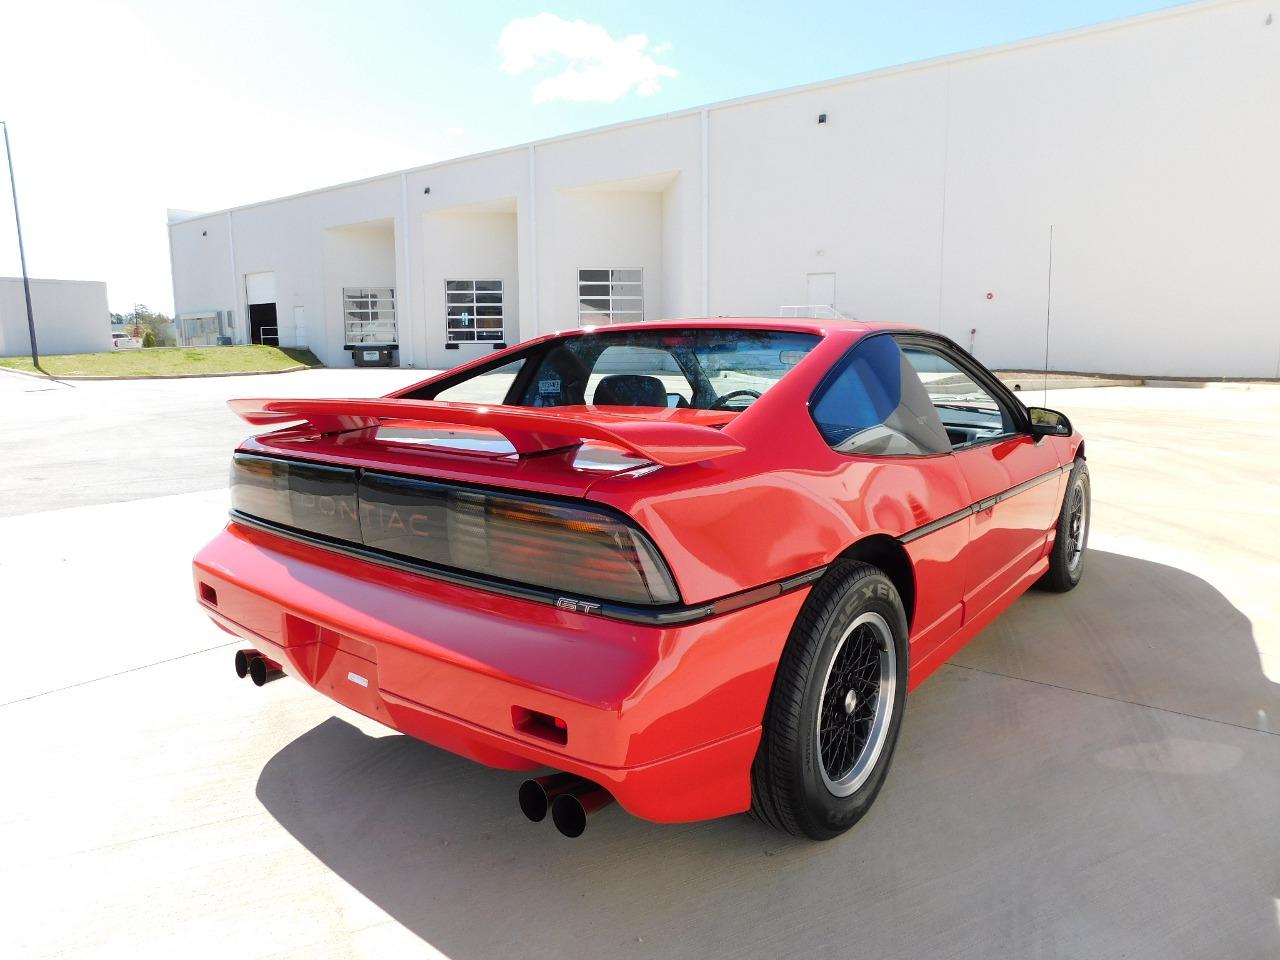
(707, 369)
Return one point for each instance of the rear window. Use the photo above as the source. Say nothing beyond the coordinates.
(707, 369)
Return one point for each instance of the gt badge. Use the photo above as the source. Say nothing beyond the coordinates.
(578, 606)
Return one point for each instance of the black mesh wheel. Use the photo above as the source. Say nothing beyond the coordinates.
(836, 706)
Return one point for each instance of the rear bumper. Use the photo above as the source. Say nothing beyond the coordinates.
(667, 718)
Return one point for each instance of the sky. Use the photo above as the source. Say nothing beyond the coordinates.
(119, 109)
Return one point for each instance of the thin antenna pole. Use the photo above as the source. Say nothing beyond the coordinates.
(22, 254)
(1048, 313)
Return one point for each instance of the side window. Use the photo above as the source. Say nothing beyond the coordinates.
(969, 412)
(875, 404)
(488, 387)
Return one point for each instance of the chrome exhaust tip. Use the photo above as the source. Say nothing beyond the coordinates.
(570, 810)
(537, 793)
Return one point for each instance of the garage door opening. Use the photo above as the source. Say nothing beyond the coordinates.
(263, 327)
(260, 295)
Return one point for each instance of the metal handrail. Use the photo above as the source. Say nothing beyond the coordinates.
(816, 311)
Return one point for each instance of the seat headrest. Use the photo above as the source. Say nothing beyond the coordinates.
(630, 390)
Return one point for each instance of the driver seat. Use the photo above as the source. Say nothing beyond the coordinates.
(630, 390)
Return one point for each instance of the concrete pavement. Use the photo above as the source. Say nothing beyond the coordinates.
(68, 443)
(1097, 775)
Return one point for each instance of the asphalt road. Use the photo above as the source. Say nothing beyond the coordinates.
(1095, 776)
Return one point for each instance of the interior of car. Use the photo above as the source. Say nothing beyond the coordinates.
(969, 413)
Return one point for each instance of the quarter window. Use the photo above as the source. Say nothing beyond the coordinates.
(610, 296)
(873, 403)
(474, 311)
(490, 387)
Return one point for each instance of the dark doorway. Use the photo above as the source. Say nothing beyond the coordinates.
(262, 324)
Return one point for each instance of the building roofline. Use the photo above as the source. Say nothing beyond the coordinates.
(102, 283)
(943, 60)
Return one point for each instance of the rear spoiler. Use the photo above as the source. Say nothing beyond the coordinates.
(530, 430)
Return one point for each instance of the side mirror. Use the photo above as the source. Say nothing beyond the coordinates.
(1048, 423)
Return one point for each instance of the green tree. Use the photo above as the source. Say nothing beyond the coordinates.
(148, 322)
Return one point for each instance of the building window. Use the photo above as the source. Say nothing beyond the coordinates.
(474, 310)
(369, 316)
(610, 296)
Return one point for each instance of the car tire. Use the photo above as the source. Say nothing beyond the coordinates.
(1066, 559)
(846, 663)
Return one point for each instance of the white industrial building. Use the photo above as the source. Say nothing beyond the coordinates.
(71, 316)
(923, 194)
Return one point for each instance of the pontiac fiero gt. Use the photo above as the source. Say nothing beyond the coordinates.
(693, 566)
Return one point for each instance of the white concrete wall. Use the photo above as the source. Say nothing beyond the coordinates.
(1151, 148)
(352, 256)
(71, 316)
(492, 183)
(597, 229)
(469, 245)
(1150, 145)
(203, 277)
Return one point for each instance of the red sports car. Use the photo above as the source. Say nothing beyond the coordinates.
(694, 566)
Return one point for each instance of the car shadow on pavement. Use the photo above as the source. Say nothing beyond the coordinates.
(1027, 813)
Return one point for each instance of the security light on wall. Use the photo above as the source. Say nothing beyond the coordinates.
(822, 118)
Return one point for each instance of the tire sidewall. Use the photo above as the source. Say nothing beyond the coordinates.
(822, 813)
(1079, 478)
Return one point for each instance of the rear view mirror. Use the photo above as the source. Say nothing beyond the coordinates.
(1049, 423)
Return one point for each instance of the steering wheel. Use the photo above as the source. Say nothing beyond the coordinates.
(720, 403)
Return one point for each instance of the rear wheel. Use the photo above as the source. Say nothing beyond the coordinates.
(836, 707)
(1066, 560)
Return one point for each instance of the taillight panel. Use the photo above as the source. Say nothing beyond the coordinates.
(306, 496)
(584, 551)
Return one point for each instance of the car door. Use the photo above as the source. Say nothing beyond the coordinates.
(901, 477)
(1013, 478)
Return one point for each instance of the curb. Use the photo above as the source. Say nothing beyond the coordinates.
(169, 376)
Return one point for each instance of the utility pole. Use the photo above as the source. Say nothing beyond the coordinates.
(22, 254)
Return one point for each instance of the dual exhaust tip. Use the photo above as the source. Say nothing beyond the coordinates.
(569, 798)
(252, 664)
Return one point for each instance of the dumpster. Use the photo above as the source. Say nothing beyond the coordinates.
(373, 356)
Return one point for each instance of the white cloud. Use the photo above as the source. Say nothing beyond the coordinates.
(595, 65)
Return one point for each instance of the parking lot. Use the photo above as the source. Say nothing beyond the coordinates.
(1097, 775)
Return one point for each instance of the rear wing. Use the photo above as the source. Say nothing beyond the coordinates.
(530, 430)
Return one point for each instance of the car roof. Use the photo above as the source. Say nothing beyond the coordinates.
(815, 325)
